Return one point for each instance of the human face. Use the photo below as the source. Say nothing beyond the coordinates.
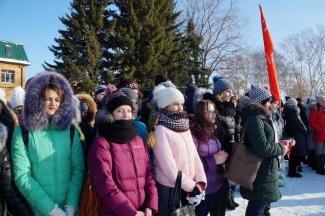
(52, 101)
(175, 107)
(267, 105)
(226, 95)
(135, 107)
(123, 112)
(274, 106)
(210, 114)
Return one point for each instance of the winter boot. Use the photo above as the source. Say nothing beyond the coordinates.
(320, 165)
(232, 188)
(229, 203)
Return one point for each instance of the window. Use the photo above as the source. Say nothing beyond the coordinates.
(8, 76)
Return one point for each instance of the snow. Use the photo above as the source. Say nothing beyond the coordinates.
(300, 197)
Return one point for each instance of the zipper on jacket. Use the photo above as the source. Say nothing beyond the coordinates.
(136, 173)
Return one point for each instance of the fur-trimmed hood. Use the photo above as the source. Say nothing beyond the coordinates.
(92, 106)
(255, 109)
(35, 117)
(3, 136)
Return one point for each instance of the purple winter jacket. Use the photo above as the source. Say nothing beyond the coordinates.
(207, 151)
(122, 176)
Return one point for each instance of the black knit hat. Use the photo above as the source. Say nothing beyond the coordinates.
(118, 101)
(160, 79)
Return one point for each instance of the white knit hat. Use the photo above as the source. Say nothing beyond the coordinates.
(320, 97)
(2, 95)
(164, 96)
(18, 97)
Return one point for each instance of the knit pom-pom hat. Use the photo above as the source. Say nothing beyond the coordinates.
(164, 96)
(220, 85)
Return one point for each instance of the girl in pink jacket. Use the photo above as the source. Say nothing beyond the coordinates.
(174, 150)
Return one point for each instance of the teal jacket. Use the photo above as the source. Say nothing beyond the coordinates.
(50, 171)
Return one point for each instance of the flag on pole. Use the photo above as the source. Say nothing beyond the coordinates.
(271, 68)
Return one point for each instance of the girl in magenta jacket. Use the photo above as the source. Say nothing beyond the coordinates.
(174, 150)
(119, 163)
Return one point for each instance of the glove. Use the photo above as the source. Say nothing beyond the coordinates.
(198, 189)
(197, 195)
(57, 211)
(197, 199)
(69, 210)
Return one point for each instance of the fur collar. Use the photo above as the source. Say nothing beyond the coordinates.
(255, 109)
(3, 136)
(35, 117)
(91, 105)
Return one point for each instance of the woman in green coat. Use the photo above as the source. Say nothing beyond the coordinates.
(261, 139)
(46, 152)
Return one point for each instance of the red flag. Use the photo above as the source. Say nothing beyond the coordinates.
(269, 48)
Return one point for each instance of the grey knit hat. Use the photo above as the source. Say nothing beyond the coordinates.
(259, 93)
(292, 102)
(220, 85)
(130, 93)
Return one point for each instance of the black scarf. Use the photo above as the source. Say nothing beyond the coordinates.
(176, 121)
(120, 131)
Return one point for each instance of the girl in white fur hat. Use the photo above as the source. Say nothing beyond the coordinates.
(174, 151)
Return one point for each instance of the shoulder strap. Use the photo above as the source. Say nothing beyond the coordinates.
(72, 130)
(24, 133)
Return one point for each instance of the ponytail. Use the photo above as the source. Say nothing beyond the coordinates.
(151, 141)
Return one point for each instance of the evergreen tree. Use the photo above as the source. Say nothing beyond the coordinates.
(147, 41)
(197, 74)
(79, 50)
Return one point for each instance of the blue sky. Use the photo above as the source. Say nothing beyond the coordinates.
(35, 23)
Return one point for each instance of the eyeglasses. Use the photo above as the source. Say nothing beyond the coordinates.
(211, 112)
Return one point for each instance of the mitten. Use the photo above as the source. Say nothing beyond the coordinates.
(57, 211)
(69, 210)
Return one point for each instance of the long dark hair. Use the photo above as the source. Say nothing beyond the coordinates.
(201, 128)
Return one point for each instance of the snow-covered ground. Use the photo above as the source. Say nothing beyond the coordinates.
(300, 196)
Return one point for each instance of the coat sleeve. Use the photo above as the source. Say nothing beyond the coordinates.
(313, 121)
(27, 185)
(200, 175)
(258, 142)
(150, 186)
(165, 160)
(17, 205)
(100, 167)
(77, 171)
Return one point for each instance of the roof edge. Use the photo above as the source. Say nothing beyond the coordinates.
(15, 61)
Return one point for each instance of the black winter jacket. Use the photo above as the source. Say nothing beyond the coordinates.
(9, 194)
(294, 127)
(228, 131)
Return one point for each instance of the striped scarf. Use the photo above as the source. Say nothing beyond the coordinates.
(175, 121)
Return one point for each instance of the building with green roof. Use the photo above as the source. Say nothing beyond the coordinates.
(13, 62)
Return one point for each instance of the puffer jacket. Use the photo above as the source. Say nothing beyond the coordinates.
(259, 138)
(16, 204)
(228, 130)
(176, 151)
(122, 176)
(50, 170)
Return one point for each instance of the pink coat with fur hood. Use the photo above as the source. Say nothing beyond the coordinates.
(176, 151)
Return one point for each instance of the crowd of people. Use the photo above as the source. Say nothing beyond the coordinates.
(136, 147)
